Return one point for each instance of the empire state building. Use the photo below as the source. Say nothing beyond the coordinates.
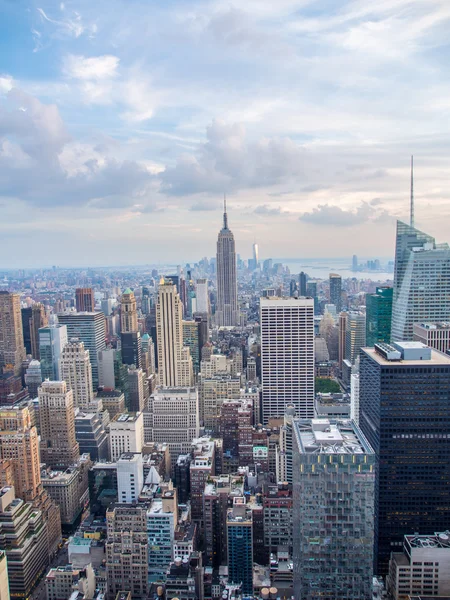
(227, 313)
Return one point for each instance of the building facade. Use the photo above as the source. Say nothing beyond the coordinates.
(12, 348)
(379, 316)
(52, 340)
(227, 310)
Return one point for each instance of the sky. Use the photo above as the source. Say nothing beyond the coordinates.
(123, 123)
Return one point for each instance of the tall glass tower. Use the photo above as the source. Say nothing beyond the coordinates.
(421, 281)
(227, 313)
(379, 316)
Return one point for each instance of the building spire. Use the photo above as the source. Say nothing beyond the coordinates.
(412, 193)
(225, 217)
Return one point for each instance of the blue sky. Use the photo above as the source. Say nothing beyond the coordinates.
(123, 122)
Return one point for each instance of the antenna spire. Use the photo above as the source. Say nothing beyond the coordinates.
(225, 217)
(412, 193)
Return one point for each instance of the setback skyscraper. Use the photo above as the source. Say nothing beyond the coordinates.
(421, 281)
(404, 413)
(287, 356)
(227, 313)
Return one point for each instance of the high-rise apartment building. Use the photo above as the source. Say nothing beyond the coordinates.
(162, 517)
(227, 310)
(127, 550)
(38, 320)
(421, 281)
(172, 418)
(76, 371)
(240, 545)
(51, 343)
(174, 360)
(404, 397)
(379, 315)
(90, 328)
(336, 291)
(287, 356)
(12, 349)
(84, 300)
(59, 448)
(333, 510)
(434, 335)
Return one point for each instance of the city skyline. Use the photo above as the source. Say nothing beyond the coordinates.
(105, 139)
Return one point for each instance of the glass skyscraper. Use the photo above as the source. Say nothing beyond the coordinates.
(333, 510)
(51, 343)
(379, 316)
(336, 291)
(421, 281)
(404, 402)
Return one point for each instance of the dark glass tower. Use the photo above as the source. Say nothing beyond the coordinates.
(336, 291)
(378, 316)
(302, 284)
(404, 414)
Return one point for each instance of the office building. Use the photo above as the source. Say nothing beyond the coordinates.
(12, 349)
(23, 538)
(202, 468)
(106, 375)
(127, 550)
(89, 327)
(434, 335)
(26, 318)
(131, 348)
(342, 339)
(59, 448)
(287, 356)
(84, 300)
(51, 343)
(191, 341)
(113, 401)
(227, 310)
(421, 568)
(174, 360)
(33, 378)
(355, 335)
(106, 306)
(403, 411)
(354, 397)
(126, 434)
(68, 489)
(173, 418)
(379, 316)
(76, 371)
(4, 584)
(336, 291)
(62, 582)
(240, 545)
(354, 263)
(137, 390)
(162, 518)
(421, 281)
(212, 392)
(278, 524)
(91, 435)
(202, 296)
(185, 578)
(333, 510)
(38, 320)
(302, 284)
(130, 476)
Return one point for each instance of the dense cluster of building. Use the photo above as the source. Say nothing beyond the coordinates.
(266, 437)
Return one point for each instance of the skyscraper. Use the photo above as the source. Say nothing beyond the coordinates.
(128, 312)
(240, 545)
(76, 371)
(336, 291)
(403, 411)
(84, 300)
(333, 511)
(255, 255)
(33, 378)
(59, 448)
(302, 284)
(379, 316)
(421, 281)
(287, 356)
(227, 313)
(38, 320)
(355, 335)
(51, 343)
(12, 349)
(174, 360)
(90, 328)
(202, 296)
(26, 318)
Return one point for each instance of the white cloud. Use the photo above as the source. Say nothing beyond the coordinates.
(92, 67)
(6, 83)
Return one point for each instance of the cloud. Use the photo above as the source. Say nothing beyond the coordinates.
(325, 214)
(204, 206)
(42, 164)
(93, 67)
(72, 26)
(6, 83)
(264, 209)
(229, 160)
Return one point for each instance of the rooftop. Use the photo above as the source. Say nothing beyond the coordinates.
(437, 359)
(325, 436)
